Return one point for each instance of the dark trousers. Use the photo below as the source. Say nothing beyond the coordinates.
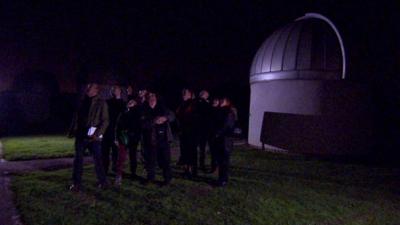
(107, 146)
(212, 143)
(201, 143)
(160, 153)
(95, 147)
(223, 153)
(188, 149)
(122, 154)
(132, 149)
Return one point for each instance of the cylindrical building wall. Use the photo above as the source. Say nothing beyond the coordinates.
(282, 96)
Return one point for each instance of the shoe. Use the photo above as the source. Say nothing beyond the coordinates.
(188, 175)
(179, 163)
(221, 184)
(134, 177)
(147, 182)
(165, 183)
(75, 188)
(103, 186)
(212, 170)
(118, 181)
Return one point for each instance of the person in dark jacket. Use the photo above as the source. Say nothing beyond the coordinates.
(88, 126)
(156, 138)
(187, 122)
(116, 106)
(223, 139)
(128, 134)
(203, 111)
(214, 114)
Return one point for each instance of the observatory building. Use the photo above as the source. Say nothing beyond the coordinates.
(301, 99)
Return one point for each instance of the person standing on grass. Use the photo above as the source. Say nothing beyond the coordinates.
(214, 110)
(156, 138)
(223, 139)
(116, 106)
(128, 134)
(203, 111)
(89, 125)
(186, 115)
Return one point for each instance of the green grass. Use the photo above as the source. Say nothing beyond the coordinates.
(265, 188)
(35, 147)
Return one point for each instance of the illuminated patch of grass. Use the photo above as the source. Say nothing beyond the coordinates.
(265, 188)
(35, 147)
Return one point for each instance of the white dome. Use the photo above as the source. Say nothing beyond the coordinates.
(309, 48)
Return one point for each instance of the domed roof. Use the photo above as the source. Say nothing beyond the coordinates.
(308, 48)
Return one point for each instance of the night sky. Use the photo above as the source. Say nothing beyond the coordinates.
(193, 43)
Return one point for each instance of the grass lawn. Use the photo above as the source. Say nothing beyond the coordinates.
(265, 188)
(35, 147)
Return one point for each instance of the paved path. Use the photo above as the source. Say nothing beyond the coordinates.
(17, 167)
(8, 212)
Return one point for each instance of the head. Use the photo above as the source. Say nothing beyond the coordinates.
(187, 94)
(215, 102)
(204, 94)
(151, 98)
(142, 93)
(129, 90)
(225, 102)
(92, 89)
(116, 91)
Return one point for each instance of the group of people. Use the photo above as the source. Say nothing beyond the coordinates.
(117, 127)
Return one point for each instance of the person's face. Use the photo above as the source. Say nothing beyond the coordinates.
(117, 91)
(142, 93)
(204, 95)
(129, 90)
(215, 103)
(92, 90)
(152, 98)
(223, 102)
(186, 95)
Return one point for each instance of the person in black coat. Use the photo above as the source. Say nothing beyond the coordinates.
(116, 106)
(128, 135)
(156, 138)
(203, 110)
(214, 114)
(223, 139)
(187, 122)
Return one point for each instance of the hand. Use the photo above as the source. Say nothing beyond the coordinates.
(161, 120)
(94, 138)
(131, 103)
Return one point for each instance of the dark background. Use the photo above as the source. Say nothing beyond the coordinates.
(50, 48)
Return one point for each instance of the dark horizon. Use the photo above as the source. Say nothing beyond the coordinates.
(198, 44)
